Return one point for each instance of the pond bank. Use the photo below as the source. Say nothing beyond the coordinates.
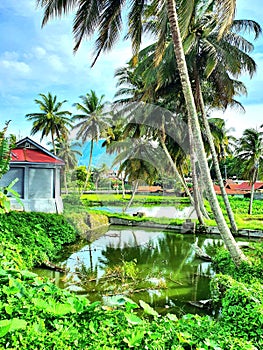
(87, 223)
(182, 228)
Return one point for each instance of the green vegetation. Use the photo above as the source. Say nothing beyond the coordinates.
(35, 314)
(243, 219)
(239, 206)
(116, 199)
(36, 236)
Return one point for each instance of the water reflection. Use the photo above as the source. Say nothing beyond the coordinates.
(162, 259)
(172, 212)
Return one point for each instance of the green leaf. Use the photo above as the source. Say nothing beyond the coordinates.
(40, 303)
(17, 323)
(92, 327)
(60, 309)
(133, 319)
(8, 309)
(11, 325)
(147, 308)
(4, 327)
(135, 338)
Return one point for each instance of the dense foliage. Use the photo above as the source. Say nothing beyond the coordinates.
(35, 314)
(37, 236)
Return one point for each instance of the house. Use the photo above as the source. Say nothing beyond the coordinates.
(38, 174)
(241, 189)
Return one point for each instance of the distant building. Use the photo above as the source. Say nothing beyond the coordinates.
(38, 173)
(242, 189)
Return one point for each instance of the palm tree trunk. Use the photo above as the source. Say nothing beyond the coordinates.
(132, 196)
(254, 179)
(53, 143)
(250, 208)
(209, 136)
(198, 197)
(123, 187)
(89, 165)
(180, 180)
(235, 252)
(65, 181)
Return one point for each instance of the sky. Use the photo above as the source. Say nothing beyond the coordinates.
(36, 60)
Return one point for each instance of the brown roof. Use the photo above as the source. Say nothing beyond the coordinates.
(149, 189)
(229, 191)
(246, 186)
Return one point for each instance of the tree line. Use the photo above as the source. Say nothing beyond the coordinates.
(193, 67)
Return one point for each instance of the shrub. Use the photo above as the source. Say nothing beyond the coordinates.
(38, 236)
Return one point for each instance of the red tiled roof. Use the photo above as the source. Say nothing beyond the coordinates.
(33, 156)
(228, 190)
(246, 186)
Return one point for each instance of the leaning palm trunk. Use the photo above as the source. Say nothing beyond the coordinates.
(255, 173)
(132, 196)
(251, 199)
(209, 136)
(122, 187)
(235, 252)
(89, 166)
(198, 197)
(178, 177)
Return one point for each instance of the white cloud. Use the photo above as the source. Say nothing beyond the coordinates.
(15, 67)
(39, 52)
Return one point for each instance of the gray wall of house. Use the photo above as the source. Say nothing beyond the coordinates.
(38, 186)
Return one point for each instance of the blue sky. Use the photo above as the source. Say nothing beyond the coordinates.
(35, 60)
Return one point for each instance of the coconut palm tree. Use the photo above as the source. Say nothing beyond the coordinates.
(209, 58)
(51, 120)
(93, 122)
(249, 154)
(106, 17)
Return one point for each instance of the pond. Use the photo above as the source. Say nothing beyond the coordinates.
(158, 267)
(172, 212)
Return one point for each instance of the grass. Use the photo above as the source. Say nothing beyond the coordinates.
(239, 207)
(116, 199)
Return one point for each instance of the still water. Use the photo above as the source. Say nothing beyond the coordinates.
(172, 212)
(158, 267)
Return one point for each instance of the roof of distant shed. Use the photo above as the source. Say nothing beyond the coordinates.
(246, 186)
(29, 151)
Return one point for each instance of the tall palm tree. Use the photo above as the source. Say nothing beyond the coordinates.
(210, 58)
(105, 17)
(250, 155)
(93, 122)
(51, 120)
